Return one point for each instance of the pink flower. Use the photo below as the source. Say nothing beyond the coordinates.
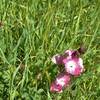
(62, 80)
(73, 64)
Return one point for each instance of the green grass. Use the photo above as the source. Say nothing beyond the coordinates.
(32, 32)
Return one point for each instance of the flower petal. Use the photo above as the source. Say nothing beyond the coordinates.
(57, 59)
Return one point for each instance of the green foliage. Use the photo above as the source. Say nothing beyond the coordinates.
(31, 31)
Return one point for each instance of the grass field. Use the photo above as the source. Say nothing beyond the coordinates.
(32, 31)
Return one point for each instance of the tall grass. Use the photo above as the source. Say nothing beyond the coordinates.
(34, 30)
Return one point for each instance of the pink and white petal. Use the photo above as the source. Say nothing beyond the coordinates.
(53, 59)
(64, 60)
(81, 64)
(55, 88)
(77, 71)
(58, 59)
(69, 52)
(63, 79)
